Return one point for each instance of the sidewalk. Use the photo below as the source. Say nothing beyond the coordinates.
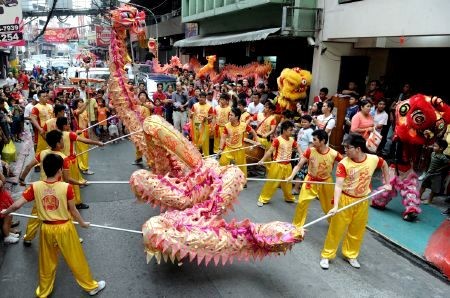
(413, 237)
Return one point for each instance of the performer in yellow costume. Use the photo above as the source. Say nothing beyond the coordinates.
(353, 177)
(201, 116)
(55, 139)
(245, 116)
(80, 114)
(50, 124)
(232, 138)
(144, 111)
(40, 113)
(282, 148)
(267, 124)
(320, 159)
(70, 138)
(221, 114)
(55, 206)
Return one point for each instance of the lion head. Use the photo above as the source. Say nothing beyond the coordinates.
(292, 85)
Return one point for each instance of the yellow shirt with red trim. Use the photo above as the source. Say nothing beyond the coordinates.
(41, 155)
(51, 199)
(320, 165)
(50, 125)
(235, 134)
(144, 111)
(358, 175)
(201, 112)
(42, 113)
(69, 139)
(283, 149)
(265, 123)
(222, 115)
(245, 116)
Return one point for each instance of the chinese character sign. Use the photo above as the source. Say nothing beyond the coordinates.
(11, 23)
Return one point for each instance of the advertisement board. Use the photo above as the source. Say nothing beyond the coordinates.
(60, 34)
(103, 36)
(11, 23)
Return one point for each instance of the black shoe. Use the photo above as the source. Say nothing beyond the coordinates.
(446, 212)
(82, 206)
(27, 243)
(137, 161)
(245, 186)
(15, 223)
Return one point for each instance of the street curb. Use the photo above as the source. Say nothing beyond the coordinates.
(411, 256)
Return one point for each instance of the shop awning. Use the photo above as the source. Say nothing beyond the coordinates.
(219, 39)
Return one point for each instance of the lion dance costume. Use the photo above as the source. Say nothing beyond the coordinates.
(196, 192)
(420, 120)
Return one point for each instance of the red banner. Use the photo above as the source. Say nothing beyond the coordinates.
(103, 35)
(60, 34)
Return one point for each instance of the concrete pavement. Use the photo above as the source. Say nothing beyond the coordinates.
(119, 258)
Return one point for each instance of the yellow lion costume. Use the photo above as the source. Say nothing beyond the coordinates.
(292, 85)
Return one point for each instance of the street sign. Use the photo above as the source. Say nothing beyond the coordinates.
(11, 23)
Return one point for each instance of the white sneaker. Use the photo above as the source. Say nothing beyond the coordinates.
(11, 240)
(14, 235)
(259, 204)
(101, 286)
(421, 177)
(354, 263)
(324, 264)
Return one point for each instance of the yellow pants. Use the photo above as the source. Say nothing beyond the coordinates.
(138, 154)
(41, 144)
(83, 160)
(32, 226)
(61, 238)
(217, 138)
(74, 173)
(277, 171)
(352, 222)
(264, 142)
(204, 142)
(309, 192)
(237, 156)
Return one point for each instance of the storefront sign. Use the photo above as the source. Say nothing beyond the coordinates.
(60, 34)
(11, 23)
(103, 36)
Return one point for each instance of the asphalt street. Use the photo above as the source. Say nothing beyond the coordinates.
(118, 257)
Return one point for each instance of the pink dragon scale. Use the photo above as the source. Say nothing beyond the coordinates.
(196, 192)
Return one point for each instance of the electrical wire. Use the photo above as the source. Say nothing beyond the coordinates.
(49, 17)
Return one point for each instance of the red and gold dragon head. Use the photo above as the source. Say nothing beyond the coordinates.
(292, 85)
(421, 119)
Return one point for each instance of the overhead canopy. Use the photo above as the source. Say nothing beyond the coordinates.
(219, 39)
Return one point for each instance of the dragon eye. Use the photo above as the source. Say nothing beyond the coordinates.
(303, 82)
(418, 117)
(404, 109)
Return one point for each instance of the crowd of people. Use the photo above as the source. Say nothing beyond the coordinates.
(221, 119)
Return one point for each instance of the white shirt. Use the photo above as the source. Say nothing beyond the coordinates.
(380, 118)
(27, 111)
(305, 138)
(82, 94)
(255, 110)
(10, 81)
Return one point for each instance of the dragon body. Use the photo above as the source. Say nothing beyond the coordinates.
(196, 192)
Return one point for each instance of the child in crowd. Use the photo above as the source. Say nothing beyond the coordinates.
(113, 128)
(5, 202)
(158, 108)
(432, 178)
(304, 139)
(102, 113)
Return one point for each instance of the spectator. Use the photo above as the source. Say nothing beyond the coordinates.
(373, 92)
(326, 121)
(323, 95)
(10, 80)
(362, 122)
